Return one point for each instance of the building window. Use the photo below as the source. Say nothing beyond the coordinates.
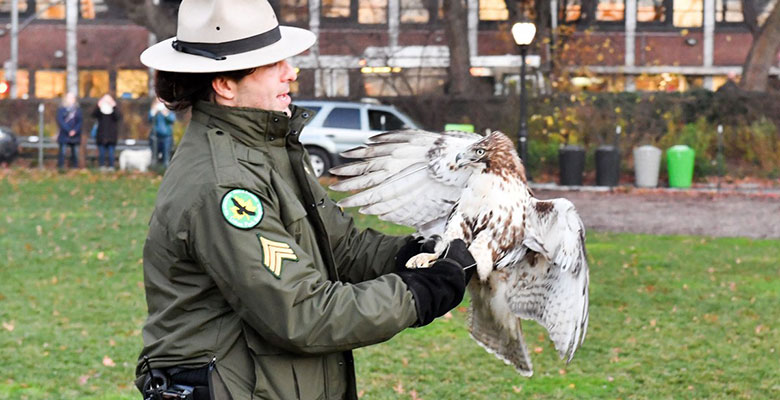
(493, 10)
(93, 83)
(421, 11)
(49, 84)
(409, 82)
(294, 11)
(132, 83)
(46, 10)
(728, 11)
(571, 10)
(414, 12)
(651, 11)
(610, 10)
(22, 84)
(372, 11)
(336, 8)
(688, 13)
(5, 6)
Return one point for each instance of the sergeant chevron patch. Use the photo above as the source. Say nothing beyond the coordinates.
(274, 254)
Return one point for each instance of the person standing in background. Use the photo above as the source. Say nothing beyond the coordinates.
(162, 120)
(107, 117)
(69, 121)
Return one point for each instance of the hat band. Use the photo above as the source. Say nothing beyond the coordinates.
(219, 51)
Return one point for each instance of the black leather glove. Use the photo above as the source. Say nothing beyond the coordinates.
(440, 287)
(413, 247)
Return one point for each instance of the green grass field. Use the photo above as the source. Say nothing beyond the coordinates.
(671, 317)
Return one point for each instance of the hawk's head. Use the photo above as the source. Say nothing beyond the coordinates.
(494, 154)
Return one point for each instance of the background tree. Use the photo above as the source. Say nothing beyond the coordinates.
(158, 16)
(764, 50)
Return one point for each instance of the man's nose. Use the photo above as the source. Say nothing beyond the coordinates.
(288, 72)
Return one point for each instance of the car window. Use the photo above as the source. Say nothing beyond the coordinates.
(345, 118)
(384, 121)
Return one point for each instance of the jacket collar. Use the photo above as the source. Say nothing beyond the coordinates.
(252, 126)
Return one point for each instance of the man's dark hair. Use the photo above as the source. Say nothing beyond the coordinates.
(180, 90)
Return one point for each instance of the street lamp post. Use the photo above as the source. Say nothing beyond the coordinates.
(523, 33)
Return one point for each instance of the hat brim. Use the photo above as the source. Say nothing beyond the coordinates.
(162, 56)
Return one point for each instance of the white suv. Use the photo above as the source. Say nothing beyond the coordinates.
(340, 126)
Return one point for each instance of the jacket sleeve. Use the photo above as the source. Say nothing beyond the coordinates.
(276, 289)
(360, 255)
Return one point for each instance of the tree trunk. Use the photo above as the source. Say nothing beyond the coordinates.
(456, 29)
(158, 19)
(763, 54)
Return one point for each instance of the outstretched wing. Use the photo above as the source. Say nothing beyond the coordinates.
(551, 274)
(408, 177)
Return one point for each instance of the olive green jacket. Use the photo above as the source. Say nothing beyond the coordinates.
(279, 305)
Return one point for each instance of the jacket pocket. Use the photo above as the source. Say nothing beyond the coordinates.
(291, 211)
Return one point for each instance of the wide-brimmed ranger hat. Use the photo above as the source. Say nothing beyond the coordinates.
(226, 35)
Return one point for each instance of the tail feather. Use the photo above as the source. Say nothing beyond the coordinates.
(507, 345)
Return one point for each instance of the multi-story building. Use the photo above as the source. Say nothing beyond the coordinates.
(399, 47)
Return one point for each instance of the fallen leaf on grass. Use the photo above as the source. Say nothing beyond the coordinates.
(108, 362)
(448, 316)
(83, 379)
(399, 388)
(517, 389)
(538, 349)
(101, 256)
(9, 326)
(761, 329)
(39, 230)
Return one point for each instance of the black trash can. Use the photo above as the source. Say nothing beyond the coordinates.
(8, 146)
(607, 166)
(571, 161)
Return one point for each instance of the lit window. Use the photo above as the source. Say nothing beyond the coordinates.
(610, 10)
(372, 11)
(661, 83)
(688, 13)
(88, 9)
(651, 11)
(132, 83)
(572, 10)
(414, 12)
(22, 84)
(336, 8)
(493, 10)
(93, 83)
(728, 11)
(413, 81)
(292, 11)
(49, 84)
(46, 10)
(5, 5)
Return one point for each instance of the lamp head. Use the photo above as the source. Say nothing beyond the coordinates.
(523, 33)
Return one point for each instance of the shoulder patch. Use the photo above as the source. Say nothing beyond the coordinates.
(242, 209)
(274, 254)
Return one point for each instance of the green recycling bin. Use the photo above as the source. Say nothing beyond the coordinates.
(680, 163)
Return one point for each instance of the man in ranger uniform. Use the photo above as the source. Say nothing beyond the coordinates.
(257, 284)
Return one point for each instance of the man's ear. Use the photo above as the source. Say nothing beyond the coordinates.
(225, 90)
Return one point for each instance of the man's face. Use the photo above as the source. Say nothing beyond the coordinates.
(267, 88)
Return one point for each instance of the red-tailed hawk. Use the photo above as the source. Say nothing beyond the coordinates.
(530, 254)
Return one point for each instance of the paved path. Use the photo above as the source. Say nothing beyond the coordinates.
(754, 214)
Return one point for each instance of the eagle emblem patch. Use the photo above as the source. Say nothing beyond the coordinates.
(242, 209)
(274, 254)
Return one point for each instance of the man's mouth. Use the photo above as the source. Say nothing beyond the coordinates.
(284, 98)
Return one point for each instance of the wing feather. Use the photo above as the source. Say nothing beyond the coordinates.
(407, 177)
(551, 282)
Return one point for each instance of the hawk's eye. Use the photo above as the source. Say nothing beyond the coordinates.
(480, 152)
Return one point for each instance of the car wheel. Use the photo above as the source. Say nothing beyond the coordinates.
(320, 161)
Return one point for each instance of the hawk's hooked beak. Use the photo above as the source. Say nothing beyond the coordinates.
(462, 159)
